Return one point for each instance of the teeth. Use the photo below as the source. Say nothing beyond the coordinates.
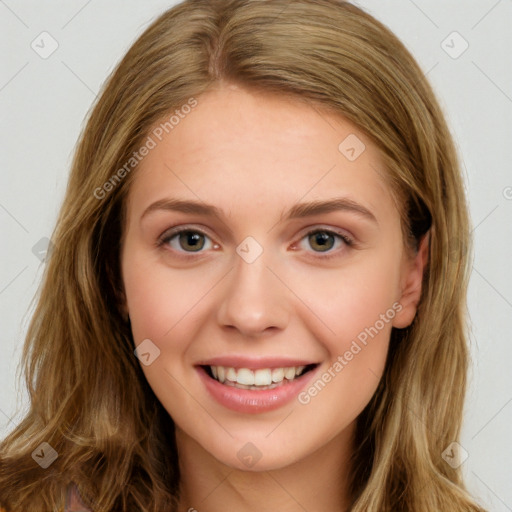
(277, 374)
(262, 377)
(230, 374)
(289, 373)
(248, 378)
(244, 376)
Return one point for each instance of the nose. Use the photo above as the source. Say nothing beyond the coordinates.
(254, 300)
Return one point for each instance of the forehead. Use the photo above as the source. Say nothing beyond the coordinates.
(259, 150)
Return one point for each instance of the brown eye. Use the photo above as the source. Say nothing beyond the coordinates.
(323, 240)
(186, 240)
(326, 243)
(191, 240)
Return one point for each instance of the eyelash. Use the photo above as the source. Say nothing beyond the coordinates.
(169, 235)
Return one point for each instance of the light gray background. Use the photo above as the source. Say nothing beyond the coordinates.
(44, 101)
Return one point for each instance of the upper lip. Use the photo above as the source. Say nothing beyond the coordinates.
(254, 363)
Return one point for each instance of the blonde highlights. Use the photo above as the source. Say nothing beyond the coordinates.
(89, 398)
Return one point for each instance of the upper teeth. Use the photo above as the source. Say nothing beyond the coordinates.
(261, 377)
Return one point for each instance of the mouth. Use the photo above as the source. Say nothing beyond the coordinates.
(257, 379)
(258, 389)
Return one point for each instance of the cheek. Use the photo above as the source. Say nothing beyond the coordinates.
(357, 355)
(159, 298)
(350, 299)
(357, 306)
(164, 305)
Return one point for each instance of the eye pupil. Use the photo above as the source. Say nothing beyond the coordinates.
(194, 241)
(191, 238)
(321, 238)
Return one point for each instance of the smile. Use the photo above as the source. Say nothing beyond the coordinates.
(255, 390)
(260, 379)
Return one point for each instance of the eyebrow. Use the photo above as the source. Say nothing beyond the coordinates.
(297, 211)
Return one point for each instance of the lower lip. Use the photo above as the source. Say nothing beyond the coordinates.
(253, 400)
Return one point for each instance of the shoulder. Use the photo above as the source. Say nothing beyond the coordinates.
(74, 502)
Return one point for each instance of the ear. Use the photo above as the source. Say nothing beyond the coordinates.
(119, 294)
(123, 309)
(122, 305)
(411, 284)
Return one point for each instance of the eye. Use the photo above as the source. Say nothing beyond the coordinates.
(189, 240)
(186, 240)
(323, 240)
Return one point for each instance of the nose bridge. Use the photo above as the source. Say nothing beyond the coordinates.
(254, 299)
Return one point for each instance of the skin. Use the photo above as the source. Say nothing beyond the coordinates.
(254, 155)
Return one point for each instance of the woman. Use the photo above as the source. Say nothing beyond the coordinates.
(193, 347)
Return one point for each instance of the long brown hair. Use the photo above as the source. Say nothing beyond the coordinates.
(89, 399)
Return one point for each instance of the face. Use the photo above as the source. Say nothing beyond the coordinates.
(263, 249)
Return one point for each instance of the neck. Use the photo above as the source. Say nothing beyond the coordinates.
(318, 481)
